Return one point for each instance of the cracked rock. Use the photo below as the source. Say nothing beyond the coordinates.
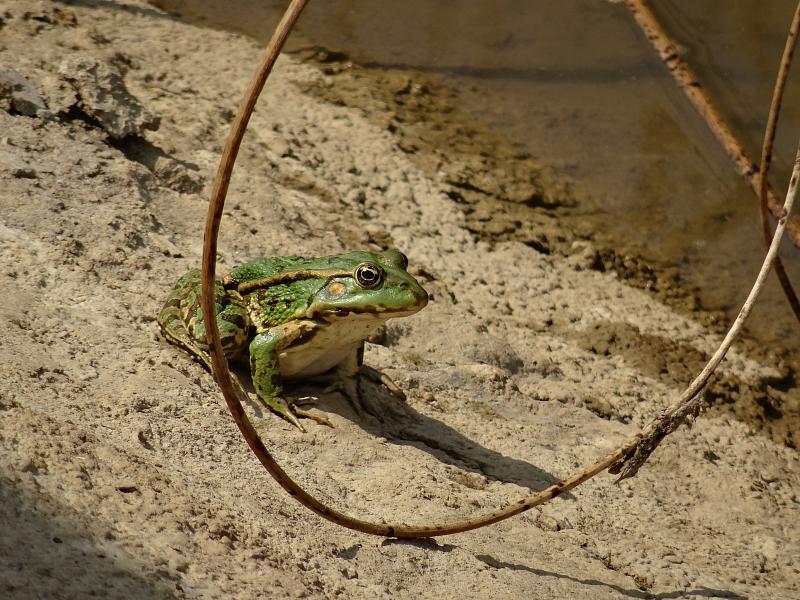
(18, 95)
(102, 95)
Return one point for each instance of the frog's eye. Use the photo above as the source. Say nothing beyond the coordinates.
(368, 275)
(405, 261)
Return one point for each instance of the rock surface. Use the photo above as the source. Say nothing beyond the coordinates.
(122, 472)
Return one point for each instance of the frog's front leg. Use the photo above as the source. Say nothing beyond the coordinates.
(349, 373)
(347, 379)
(264, 367)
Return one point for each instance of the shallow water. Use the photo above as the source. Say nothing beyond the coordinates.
(580, 87)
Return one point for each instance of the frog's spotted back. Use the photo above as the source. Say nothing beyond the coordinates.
(282, 302)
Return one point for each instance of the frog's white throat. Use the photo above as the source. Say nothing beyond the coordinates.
(331, 340)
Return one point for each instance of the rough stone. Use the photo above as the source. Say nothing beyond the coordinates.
(18, 95)
(103, 96)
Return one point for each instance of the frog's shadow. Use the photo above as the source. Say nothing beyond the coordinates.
(403, 425)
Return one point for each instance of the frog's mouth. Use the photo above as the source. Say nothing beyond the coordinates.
(379, 312)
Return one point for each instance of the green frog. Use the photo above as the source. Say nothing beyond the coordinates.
(296, 318)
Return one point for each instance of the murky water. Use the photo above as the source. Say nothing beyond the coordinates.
(578, 85)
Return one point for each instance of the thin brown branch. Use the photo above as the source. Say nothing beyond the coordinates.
(220, 365)
(688, 82)
(690, 402)
(766, 156)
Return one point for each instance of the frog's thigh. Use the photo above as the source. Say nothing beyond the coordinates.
(182, 320)
(231, 317)
(264, 350)
(173, 317)
(233, 324)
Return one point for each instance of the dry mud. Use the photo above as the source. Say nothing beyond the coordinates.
(121, 472)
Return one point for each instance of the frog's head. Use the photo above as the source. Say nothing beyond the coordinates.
(375, 283)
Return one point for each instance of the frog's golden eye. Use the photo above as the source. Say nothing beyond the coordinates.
(368, 275)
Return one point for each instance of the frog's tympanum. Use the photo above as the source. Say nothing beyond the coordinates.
(296, 317)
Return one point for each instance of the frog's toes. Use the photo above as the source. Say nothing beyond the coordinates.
(382, 378)
(305, 400)
(280, 406)
(350, 388)
(292, 411)
(334, 386)
(301, 412)
(289, 416)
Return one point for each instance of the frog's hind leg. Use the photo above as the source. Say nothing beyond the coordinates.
(181, 319)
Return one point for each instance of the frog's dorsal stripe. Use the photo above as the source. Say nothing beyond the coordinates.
(288, 277)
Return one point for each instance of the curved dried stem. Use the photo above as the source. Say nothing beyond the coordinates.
(766, 156)
(688, 82)
(220, 365)
(625, 460)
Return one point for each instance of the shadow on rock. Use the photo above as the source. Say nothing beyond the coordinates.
(178, 175)
(703, 592)
(121, 7)
(400, 424)
(48, 556)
